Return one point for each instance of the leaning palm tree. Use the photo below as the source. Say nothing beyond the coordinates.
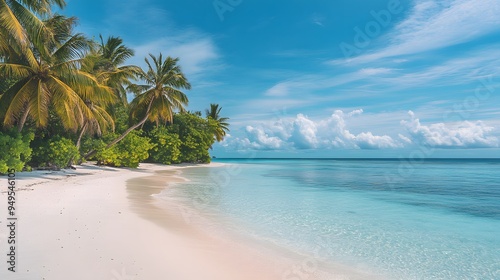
(104, 62)
(51, 81)
(96, 98)
(222, 126)
(98, 120)
(159, 96)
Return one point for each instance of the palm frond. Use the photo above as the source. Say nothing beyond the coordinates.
(13, 101)
(15, 71)
(72, 48)
(11, 23)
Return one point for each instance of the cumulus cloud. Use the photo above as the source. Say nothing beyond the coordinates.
(336, 132)
(333, 132)
(304, 133)
(405, 139)
(464, 134)
(258, 139)
(355, 112)
(366, 140)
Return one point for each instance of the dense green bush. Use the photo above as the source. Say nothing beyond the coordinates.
(121, 117)
(15, 150)
(90, 143)
(166, 149)
(54, 152)
(129, 152)
(196, 135)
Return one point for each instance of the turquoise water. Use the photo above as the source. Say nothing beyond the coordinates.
(436, 219)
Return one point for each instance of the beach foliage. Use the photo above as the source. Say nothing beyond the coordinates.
(196, 135)
(167, 146)
(120, 114)
(92, 143)
(16, 151)
(54, 152)
(127, 153)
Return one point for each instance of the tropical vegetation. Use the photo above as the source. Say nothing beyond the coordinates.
(64, 98)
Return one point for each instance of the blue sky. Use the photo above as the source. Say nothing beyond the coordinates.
(345, 78)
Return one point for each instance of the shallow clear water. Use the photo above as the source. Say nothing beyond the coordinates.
(437, 219)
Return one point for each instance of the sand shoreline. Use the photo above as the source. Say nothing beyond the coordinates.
(103, 223)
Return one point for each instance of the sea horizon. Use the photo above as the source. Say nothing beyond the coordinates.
(354, 158)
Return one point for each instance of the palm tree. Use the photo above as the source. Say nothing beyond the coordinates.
(96, 99)
(52, 80)
(104, 62)
(20, 26)
(222, 126)
(159, 96)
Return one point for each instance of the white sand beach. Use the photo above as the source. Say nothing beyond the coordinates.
(87, 224)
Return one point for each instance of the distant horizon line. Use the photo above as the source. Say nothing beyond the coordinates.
(355, 158)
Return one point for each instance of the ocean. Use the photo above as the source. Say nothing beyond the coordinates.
(429, 219)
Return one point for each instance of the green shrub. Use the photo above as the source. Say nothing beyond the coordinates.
(129, 152)
(89, 143)
(196, 135)
(55, 152)
(166, 149)
(15, 150)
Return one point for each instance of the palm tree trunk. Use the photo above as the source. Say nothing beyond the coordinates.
(84, 128)
(78, 142)
(120, 138)
(23, 119)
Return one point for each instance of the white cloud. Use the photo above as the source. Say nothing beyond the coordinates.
(338, 135)
(366, 140)
(304, 133)
(472, 67)
(280, 89)
(464, 134)
(197, 52)
(405, 139)
(195, 55)
(375, 71)
(318, 20)
(309, 83)
(148, 27)
(435, 24)
(355, 112)
(333, 132)
(258, 139)
(400, 60)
